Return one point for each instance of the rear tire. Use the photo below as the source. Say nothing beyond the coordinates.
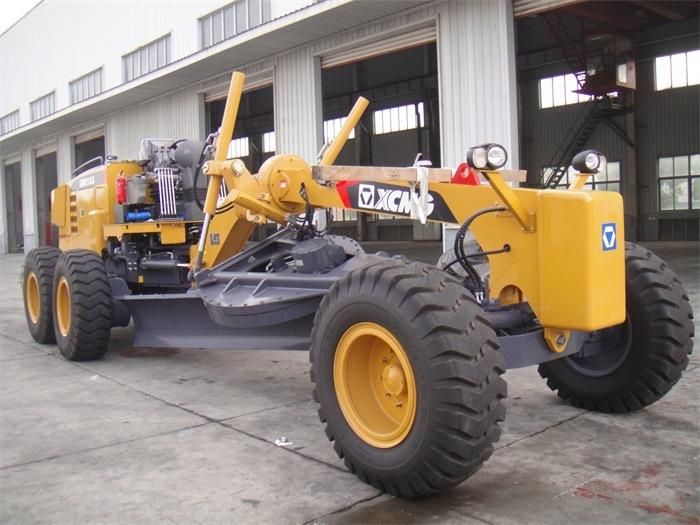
(646, 355)
(37, 287)
(82, 306)
(449, 372)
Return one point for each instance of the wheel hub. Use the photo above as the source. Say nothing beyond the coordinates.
(393, 380)
(32, 297)
(63, 306)
(374, 385)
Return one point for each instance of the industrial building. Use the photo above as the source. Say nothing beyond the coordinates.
(545, 78)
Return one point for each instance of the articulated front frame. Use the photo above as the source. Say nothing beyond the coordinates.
(566, 249)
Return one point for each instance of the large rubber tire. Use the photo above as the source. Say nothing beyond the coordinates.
(653, 348)
(453, 354)
(37, 290)
(82, 306)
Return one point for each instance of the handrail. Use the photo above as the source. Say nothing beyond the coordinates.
(84, 165)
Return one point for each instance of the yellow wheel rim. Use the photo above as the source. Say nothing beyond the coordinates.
(374, 385)
(63, 306)
(32, 297)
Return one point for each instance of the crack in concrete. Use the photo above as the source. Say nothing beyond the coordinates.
(532, 434)
(343, 509)
(221, 422)
(23, 357)
(463, 513)
(106, 445)
(28, 345)
(290, 450)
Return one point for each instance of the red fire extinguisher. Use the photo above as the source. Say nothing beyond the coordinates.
(121, 188)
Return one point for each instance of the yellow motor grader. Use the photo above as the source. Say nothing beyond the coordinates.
(407, 359)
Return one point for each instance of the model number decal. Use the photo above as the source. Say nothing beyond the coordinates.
(86, 182)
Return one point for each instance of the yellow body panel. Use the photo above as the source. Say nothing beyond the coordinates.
(172, 232)
(89, 201)
(581, 277)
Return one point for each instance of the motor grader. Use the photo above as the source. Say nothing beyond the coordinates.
(407, 359)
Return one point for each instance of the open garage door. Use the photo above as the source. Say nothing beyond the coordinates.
(254, 135)
(46, 181)
(399, 76)
(13, 207)
(89, 145)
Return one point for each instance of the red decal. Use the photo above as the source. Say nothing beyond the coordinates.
(342, 187)
(466, 175)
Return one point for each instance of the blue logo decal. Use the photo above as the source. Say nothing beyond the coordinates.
(609, 236)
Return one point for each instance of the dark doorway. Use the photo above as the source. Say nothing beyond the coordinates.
(89, 149)
(46, 180)
(401, 121)
(13, 207)
(254, 132)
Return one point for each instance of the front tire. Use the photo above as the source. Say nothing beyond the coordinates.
(645, 356)
(82, 306)
(407, 375)
(37, 287)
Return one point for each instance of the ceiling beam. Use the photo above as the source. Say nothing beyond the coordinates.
(666, 10)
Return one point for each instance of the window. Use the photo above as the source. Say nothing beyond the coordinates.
(269, 142)
(239, 148)
(679, 70)
(607, 179)
(399, 119)
(237, 18)
(9, 122)
(560, 91)
(341, 214)
(86, 86)
(332, 127)
(43, 106)
(679, 182)
(145, 59)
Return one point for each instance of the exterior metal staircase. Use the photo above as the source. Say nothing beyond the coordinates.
(593, 112)
(569, 38)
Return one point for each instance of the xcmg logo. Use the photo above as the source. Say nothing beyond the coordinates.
(389, 200)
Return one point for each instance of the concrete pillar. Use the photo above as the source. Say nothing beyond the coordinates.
(298, 105)
(478, 90)
(3, 210)
(65, 154)
(29, 205)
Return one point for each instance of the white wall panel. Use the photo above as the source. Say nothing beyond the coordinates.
(477, 78)
(298, 112)
(3, 210)
(177, 115)
(29, 205)
(108, 30)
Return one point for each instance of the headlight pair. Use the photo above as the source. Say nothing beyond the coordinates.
(487, 157)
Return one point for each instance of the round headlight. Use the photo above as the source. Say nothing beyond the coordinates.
(588, 161)
(592, 161)
(496, 156)
(477, 157)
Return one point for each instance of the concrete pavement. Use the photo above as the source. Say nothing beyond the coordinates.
(188, 436)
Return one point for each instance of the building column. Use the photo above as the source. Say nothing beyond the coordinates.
(298, 105)
(3, 210)
(477, 82)
(65, 154)
(29, 206)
